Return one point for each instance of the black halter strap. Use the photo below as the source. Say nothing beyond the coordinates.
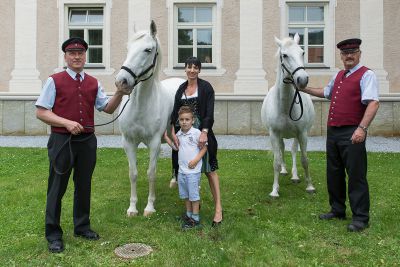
(137, 77)
(290, 80)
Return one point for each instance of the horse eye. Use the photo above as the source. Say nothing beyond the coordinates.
(304, 54)
(285, 56)
(148, 50)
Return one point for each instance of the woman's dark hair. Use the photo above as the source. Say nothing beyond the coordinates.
(193, 61)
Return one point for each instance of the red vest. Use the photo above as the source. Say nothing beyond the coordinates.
(74, 100)
(346, 107)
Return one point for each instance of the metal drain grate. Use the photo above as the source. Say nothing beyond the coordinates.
(133, 250)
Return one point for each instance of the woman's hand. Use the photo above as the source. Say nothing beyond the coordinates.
(203, 139)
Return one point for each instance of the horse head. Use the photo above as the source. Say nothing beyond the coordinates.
(142, 59)
(291, 58)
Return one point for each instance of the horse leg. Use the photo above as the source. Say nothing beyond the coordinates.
(154, 146)
(283, 165)
(277, 163)
(130, 150)
(304, 161)
(295, 177)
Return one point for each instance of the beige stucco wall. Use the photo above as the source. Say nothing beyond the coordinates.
(391, 53)
(7, 11)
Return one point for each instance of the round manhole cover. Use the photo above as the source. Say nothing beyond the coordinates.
(133, 250)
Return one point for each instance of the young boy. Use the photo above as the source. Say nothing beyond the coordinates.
(190, 163)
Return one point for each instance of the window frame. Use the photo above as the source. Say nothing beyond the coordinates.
(328, 64)
(210, 69)
(86, 27)
(63, 7)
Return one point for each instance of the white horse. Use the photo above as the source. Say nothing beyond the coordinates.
(146, 115)
(283, 114)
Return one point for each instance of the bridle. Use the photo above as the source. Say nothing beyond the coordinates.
(137, 77)
(290, 80)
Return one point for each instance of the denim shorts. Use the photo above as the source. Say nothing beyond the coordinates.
(188, 185)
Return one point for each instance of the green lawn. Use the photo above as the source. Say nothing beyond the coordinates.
(257, 230)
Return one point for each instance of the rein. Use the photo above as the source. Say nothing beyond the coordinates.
(290, 80)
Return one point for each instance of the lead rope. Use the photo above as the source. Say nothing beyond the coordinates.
(290, 80)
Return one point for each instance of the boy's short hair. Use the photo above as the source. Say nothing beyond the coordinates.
(185, 109)
(193, 61)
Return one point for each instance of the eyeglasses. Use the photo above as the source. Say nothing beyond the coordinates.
(350, 52)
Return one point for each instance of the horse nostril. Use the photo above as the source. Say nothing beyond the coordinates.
(124, 81)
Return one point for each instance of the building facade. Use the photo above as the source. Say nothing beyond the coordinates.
(233, 38)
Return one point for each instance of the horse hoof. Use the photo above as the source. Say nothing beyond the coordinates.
(274, 195)
(284, 173)
(295, 180)
(147, 213)
(310, 190)
(132, 213)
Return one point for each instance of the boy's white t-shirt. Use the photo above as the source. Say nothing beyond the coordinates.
(188, 150)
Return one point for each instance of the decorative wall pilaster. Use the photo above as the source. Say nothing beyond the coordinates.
(250, 78)
(371, 34)
(25, 76)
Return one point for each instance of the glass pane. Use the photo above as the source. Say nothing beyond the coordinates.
(185, 14)
(205, 55)
(315, 36)
(203, 14)
(300, 31)
(96, 16)
(77, 16)
(184, 53)
(315, 13)
(315, 54)
(296, 13)
(76, 33)
(204, 37)
(95, 37)
(185, 37)
(95, 55)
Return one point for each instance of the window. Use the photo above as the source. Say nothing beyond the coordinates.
(194, 31)
(90, 20)
(88, 24)
(308, 20)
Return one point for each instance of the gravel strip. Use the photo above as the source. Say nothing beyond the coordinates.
(315, 143)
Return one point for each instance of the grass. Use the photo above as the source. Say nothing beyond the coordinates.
(257, 230)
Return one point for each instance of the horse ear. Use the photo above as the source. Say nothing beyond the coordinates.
(278, 42)
(153, 28)
(296, 38)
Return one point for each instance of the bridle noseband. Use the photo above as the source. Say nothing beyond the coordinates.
(290, 80)
(137, 77)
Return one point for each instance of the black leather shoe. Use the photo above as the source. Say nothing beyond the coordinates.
(88, 234)
(331, 215)
(56, 246)
(357, 226)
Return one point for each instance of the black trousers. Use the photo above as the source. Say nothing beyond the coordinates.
(343, 158)
(83, 149)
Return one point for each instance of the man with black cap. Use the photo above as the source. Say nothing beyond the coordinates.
(353, 93)
(67, 103)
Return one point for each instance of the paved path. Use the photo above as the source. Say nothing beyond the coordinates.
(315, 143)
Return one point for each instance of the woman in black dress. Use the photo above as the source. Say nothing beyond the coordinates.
(199, 95)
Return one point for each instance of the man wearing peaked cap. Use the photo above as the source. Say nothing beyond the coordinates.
(74, 43)
(349, 44)
(67, 103)
(354, 102)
